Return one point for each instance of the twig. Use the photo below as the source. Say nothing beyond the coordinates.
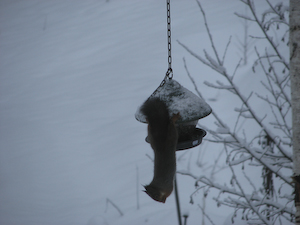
(226, 48)
(114, 205)
(209, 34)
(250, 4)
(246, 198)
(204, 213)
(239, 194)
(137, 188)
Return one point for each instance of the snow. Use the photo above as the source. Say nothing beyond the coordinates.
(179, 99)
(72, 74)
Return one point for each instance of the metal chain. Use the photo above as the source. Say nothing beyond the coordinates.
(169, 73)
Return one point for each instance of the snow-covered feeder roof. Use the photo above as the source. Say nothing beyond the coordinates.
(179, 99)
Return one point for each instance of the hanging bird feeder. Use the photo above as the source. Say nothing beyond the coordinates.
(179, 99)
(191, 109)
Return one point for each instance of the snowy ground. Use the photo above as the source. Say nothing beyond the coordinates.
(72, 74)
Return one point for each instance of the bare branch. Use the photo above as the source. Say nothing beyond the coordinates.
(259, 23)
(233, 191)
(275, 158)
(228, 43)
(114, 205)
(209, 34)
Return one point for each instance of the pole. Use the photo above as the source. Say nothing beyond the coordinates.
(177, 201)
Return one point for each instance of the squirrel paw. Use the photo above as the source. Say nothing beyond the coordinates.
(175, 117)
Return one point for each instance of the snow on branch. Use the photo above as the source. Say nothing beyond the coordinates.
(244, 16)
(219, 85)
(209, 34)
(268, 151)
(264, 29)
(195, 55)
(224, 189)
(214, 64)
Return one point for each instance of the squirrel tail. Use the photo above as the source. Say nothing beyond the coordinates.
(157, 115)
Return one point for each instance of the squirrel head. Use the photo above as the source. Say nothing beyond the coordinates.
(157, 194)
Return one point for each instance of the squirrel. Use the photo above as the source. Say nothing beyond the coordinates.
(163, 137)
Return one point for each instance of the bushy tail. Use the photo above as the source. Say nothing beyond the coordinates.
(157, 115)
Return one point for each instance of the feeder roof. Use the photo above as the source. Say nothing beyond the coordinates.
(179, 99)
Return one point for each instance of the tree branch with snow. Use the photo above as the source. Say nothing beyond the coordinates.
(269, 150)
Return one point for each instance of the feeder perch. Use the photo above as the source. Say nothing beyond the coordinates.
(191, 109)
